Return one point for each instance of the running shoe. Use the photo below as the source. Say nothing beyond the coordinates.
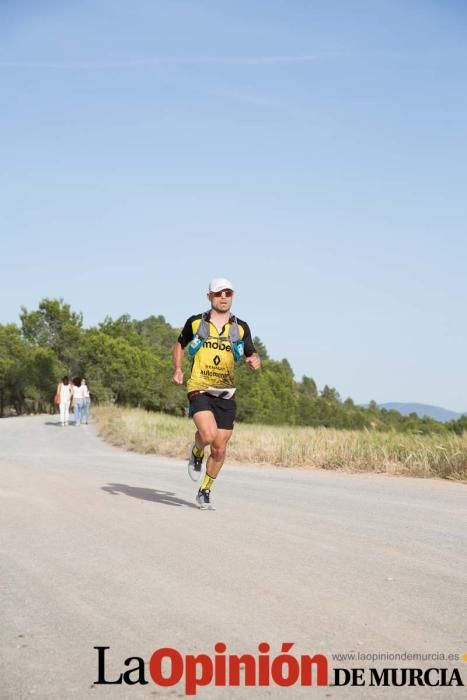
(203, 499)
(195, 465)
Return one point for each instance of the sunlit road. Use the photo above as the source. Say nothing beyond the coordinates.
(105, 547)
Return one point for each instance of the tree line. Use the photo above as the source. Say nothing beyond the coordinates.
(128, 362)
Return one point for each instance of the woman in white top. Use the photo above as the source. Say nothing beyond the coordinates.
(77, 400)
(86, 401)
(64, 392)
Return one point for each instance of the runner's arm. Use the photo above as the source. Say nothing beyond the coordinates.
(177, 358)
(185, 337)
(252, 358)
(253, 361)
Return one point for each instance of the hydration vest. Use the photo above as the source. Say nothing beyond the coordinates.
(204, 332)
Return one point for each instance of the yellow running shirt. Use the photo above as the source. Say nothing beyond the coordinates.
(213, 364)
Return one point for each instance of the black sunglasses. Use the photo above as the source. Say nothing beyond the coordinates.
(226, 292)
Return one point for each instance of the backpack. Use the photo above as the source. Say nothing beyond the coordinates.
(204, 331)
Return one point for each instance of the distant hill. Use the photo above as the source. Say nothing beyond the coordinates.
(436, 412)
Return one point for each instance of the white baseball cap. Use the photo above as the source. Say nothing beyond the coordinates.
(219, 283)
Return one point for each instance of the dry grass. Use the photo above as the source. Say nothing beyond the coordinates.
(350, 450)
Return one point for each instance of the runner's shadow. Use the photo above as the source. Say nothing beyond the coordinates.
(167, 498)
(53, 423)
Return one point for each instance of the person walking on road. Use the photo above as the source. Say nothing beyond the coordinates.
(64, 393)
(215, 340)
(77, 400)
(86, 402)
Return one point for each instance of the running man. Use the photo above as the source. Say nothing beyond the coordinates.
(215, 341)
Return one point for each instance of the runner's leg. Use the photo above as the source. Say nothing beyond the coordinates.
(213, 467)
(206, 428)
(218, 448)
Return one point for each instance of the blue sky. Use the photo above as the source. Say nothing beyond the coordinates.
(313, 152)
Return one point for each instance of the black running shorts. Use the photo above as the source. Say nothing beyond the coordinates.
(223, 409)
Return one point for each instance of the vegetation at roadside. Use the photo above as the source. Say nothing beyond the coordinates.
(390, 452)
(127, 363)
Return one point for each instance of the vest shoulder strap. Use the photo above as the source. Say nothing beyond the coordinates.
(234, 331)
(204, 330)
